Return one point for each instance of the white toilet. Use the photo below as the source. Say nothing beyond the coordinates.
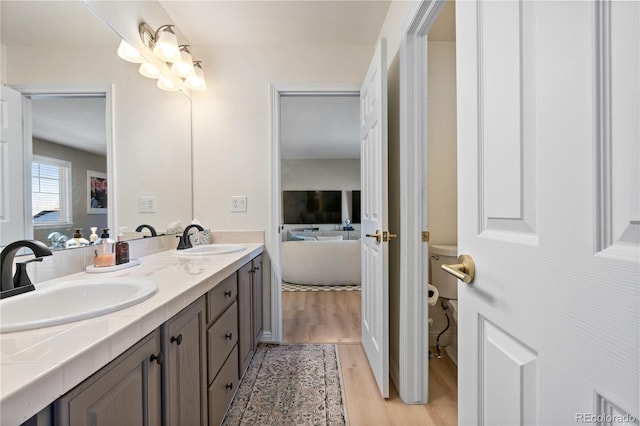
(447, 286)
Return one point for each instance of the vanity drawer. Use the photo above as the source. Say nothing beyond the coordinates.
(221, 296)
(222, 336)
(223, 388)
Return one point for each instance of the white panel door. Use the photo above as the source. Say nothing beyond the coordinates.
(549, 208)
(12, 177)
(375, 251)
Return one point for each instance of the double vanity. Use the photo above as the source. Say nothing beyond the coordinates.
(175, 355)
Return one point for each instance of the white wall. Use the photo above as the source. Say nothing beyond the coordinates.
(231, 123)
(304, 175)
(152, 134)
(441, 153)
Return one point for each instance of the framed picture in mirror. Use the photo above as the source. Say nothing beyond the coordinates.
(97, 192)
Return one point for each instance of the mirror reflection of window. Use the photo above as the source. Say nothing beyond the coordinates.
(50, 191)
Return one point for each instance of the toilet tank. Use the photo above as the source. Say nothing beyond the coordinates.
(440, 254)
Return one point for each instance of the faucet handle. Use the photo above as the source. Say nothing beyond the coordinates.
(21, 278)
(182, 244)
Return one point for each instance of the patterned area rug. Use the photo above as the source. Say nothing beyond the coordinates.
(290, 385)
(301, 287)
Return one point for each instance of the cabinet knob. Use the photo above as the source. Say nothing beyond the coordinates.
(228, 336)
(159, 359)
(229, 386)
(177, 339)
(257, 268)
(227, 293)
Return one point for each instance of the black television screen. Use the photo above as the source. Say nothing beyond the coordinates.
(312, 207)
(355, 207)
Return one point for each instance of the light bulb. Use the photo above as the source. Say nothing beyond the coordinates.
(149, 70)
(166, 47)
(165, 84)
(184, 67)
(196, 81)
(128, 53)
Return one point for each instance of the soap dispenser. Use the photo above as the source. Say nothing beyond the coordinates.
(77, 240)
(122, 249)
(93, 237)
(104, 253)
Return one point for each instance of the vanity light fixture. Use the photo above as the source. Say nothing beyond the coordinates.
(166, 44)
(177, 71)
(129, 54)
(166, 84)
(149, 70)
(196, 81)
(184, 67)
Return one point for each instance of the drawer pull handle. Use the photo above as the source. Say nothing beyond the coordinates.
(228, 336)
(227, 293)
(159, 359)
(177, 339)
(229, 386)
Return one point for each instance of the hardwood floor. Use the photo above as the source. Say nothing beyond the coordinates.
(321, 316)
(334, 317)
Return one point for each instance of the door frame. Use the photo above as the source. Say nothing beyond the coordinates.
(107, 90)
(273, 236)
(414, 315)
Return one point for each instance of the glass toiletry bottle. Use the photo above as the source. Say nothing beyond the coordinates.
(80, 240)
(93, 237)
(122, 249)
(104, 255)
(77, 240)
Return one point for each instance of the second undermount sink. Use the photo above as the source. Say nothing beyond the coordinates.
(209, 249)
(72, 301)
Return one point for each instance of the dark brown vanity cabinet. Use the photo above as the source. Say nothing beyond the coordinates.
(222, 347)
(186, 372)
(125, 392)
(184, 390)
(160, 380)
(249, 310)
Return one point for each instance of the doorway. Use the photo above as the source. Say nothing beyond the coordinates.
(319, 195)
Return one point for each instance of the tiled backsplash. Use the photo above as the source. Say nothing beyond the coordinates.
(71, 261)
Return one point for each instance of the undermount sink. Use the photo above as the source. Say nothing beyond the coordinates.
(209, 249)
(72, 301)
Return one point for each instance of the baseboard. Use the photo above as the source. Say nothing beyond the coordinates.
(267, 337)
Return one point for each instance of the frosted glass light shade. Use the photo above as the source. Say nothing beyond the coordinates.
(196, 81)
(149, 70)
(183, 67)
(128, 53)
(166, 47)
(166, 84)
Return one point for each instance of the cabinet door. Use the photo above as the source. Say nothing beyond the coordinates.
(257, 300)
(184, 371)
(245, 332)
(126, 392)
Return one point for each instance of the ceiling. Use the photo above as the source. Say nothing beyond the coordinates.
(320, 127)
(278, 23)
(77, 122)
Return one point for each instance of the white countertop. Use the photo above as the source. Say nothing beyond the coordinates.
(38, 366)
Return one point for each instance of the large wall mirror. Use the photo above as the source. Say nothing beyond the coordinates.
(122, 138)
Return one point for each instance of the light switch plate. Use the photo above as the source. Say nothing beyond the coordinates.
(238, 203)
(147, 204)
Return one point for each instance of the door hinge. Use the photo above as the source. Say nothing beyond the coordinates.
(425, 236)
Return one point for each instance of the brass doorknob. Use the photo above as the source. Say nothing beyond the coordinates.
(464, 270)
(377, 235)
(386, 236)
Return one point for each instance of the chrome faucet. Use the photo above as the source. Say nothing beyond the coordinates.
(149, 227)
(20, 282)
(185, 241)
